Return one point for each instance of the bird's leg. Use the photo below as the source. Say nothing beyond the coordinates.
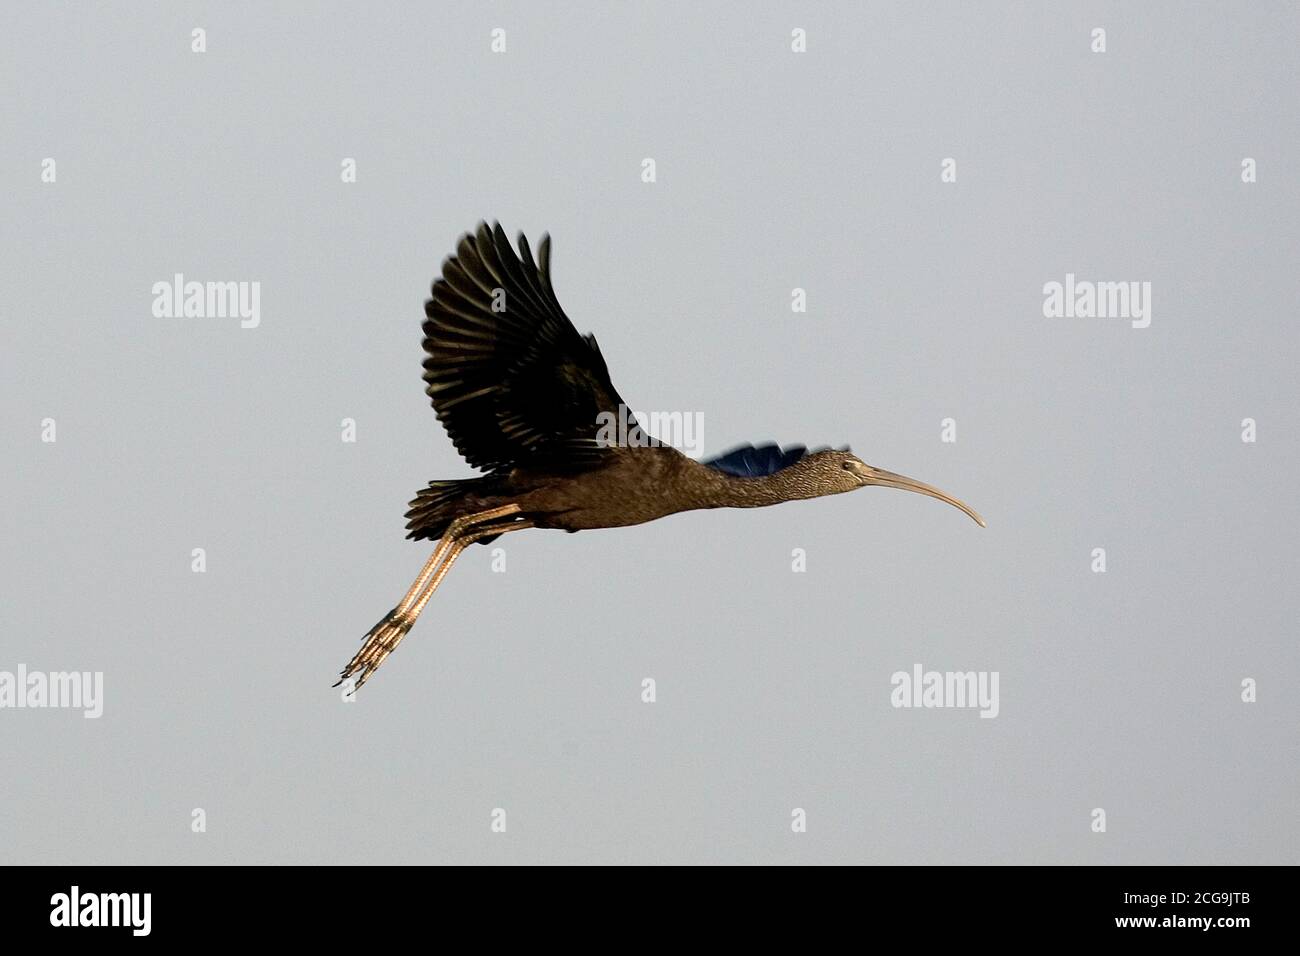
(426, 572)
(380, 649)
(486, 531)
(395, 617)
(394, 625)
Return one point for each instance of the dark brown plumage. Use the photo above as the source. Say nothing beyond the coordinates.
(522, 395)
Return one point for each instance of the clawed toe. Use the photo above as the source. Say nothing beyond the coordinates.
(381, 641)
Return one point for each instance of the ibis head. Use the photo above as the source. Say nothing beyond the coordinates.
(840, 470)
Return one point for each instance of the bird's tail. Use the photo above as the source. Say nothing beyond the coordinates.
(435, 507)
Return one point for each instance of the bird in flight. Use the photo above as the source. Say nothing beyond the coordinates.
(527, 400)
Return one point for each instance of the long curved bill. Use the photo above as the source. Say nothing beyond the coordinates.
(887, 479)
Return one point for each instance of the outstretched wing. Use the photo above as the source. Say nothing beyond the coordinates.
(755, 461)
(510, 378)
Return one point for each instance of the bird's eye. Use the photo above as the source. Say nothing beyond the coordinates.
(847, 466)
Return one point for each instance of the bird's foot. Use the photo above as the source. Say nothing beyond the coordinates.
(381, 641)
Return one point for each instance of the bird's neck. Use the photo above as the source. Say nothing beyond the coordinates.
(727, 491)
